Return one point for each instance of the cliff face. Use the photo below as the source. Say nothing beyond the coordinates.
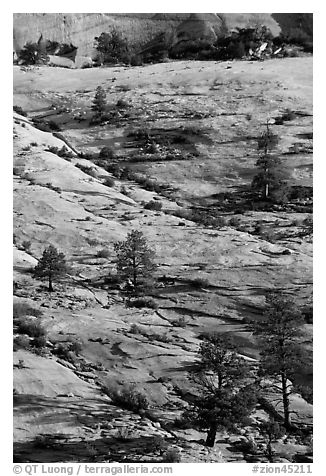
(81, 28)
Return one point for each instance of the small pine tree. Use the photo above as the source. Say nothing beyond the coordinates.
(280, 338)
(271, 178)
(51, 266)
(270, 431)
(135, 263)
(99, 103)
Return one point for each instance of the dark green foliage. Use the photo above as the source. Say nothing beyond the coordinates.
(109, 182)
(128, 397)
(135, 262)
(46, 126)
(104, 253)
(106, 153)
(51, 266)
(39, 342)
(32, 53)
(21, 342)
(63, 152)
(99, 104)
(30, 327)
(91, 171)
(136, 60)
(226, 399)
(272, 177)
(270, 431)
(20, 110)
(143, 302)
(112, 47)
(280, 337)
(153, 205)
(200, 283)
(238, 44)
(22, 309)
(172, 455)
(67, 350)
(235, 222)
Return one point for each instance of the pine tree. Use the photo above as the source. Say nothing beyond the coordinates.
(279, 335)
(135, 262)
(272, 177)
(51, 266)
(99, 103)
(225, 399)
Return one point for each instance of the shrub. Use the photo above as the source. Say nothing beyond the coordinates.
(122, 104)
(30, 327)
(22, 309)
(234, 221)
(109, 182)
(136, 60)
(143, 302)
(159, 337)
(128, 397)
(172, 455)
(63, 152)
(107, 153)
(91, 171)
(39, 342)
(46, 126)
(21, 342)
(65, 350)
(26, 246)
(20, 111)
(181, 322)
(134, 329)
(104, 253)
(200, 283)
(153, 205)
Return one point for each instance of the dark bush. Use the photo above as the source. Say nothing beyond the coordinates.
(107, 153)
(109, 182)
(234, 221)
(66, 350)
(136, 60)
(63, 152)
(20, 110)
(134, 329)
(104, 253)
(200, 283)
(46, 126)
(153, 205)
(39, 342)
(127, 397)
(21, 342)
(143, 302)
(172, 455)
(91, 171)
(30, 327)
(22, 309)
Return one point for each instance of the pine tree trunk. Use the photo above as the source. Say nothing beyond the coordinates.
(211, 435)
(50, 284)
(286, 402)
(266, 190)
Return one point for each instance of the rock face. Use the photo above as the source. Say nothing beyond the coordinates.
(81, 28)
